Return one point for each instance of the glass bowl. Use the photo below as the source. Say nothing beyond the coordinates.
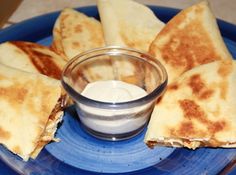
(106, 116)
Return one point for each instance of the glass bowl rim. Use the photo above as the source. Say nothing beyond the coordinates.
(77, 97)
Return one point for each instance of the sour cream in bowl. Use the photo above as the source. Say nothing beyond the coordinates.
(114, 90)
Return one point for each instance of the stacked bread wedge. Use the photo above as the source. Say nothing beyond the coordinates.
(198, 107)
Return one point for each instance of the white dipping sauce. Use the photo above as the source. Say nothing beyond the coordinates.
(113, 91)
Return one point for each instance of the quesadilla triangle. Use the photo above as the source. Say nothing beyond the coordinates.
(189, 39)
(31, 107)
(32, 57)
(198, 109)
(74, 32)
(128, 23)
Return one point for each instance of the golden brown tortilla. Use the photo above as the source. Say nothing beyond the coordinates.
(31, 57)
(189, 39)
(31, 107)
(74, 32)
(198, 109)
(128, 23)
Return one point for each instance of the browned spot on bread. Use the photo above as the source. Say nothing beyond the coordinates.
(56, 30)
(14, 94)
(42, 61)
(152, 49)
(87, 27)
(223, 89)
(17, 150)
(46, 65)
(206, 94)
(4, 134)
(196, 83)
(183, 50)
(78, 28)
(159, 100)
(64, 16)
(185, 129)
(75, 45)
(23, 95)
(225, 68)
(173, 86)
(217, 126)
(193, 112)
(199, 88)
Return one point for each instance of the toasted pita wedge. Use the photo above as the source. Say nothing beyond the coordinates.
(32, 57)
(31, 107)
(74, 32)
(128, 23)
(189, 39)
(198, 109)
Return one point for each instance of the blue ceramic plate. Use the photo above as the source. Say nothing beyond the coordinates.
(80, 153)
